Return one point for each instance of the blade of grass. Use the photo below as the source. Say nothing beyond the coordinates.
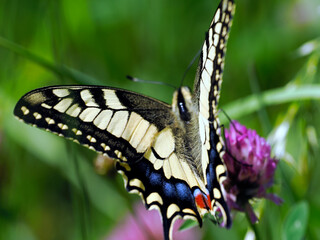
(60, 71)
(250, 104)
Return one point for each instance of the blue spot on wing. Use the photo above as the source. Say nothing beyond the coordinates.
(155, 178)
(169, 189)
(183, 191)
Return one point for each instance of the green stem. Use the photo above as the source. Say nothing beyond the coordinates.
(253, 227)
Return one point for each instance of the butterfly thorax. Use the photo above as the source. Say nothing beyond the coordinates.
(186, 113)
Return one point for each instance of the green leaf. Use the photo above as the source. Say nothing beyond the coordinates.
(296, 222)
(189, 223)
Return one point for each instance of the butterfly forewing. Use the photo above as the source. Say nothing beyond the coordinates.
(207, 93)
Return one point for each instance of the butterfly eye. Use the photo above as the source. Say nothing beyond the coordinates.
(183, 110)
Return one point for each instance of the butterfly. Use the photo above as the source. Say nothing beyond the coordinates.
(170, 155)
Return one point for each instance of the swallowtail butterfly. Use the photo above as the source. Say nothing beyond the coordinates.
(170, 155)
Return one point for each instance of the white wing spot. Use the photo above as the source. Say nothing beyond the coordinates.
(164, 143)
(147, 139)
(188, 211)
(132, 124)
(172, 209)
(136, 183)
(63, 105)
(138, 133)
(217, 16)
(103, 119)
(62, 126)
(219, 60)
(61, 92)
(118, 123)
(220, 169)
(167, 169)
(219, 146)
(112, 100)
(105, 147)
(215, 39)
(230, 7)
(37, 115)
(49, 120)
(189, 175)
(44, 105)
(206, 79)
(218, 27)
(158, 164)
(89, 114)
(209, 66)
(91, 139)
(118, 153)
(176, 167)
(150, 156)
(204, 52)
(212, 53)
(210, 36)
(88, 99)
(224, 31)
(154, 197)
(227, 19)
(216, 193)
(74, 110)
(25, 110)
(76, 131)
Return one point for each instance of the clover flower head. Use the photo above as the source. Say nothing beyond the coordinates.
(250, 168)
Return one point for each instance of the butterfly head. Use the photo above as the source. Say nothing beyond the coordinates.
(182, 103)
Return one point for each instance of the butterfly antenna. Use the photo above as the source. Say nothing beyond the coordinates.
(225, 140)
(189, 66)
(229, 119)
(151, 82)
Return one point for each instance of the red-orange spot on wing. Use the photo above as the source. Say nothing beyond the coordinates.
(203, 201)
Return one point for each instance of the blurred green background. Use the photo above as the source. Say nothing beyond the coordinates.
(49, 188)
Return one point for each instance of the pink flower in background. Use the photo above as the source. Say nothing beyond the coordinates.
(250, 168)
(147, 225)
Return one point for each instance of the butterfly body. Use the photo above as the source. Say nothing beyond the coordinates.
(170, 155)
